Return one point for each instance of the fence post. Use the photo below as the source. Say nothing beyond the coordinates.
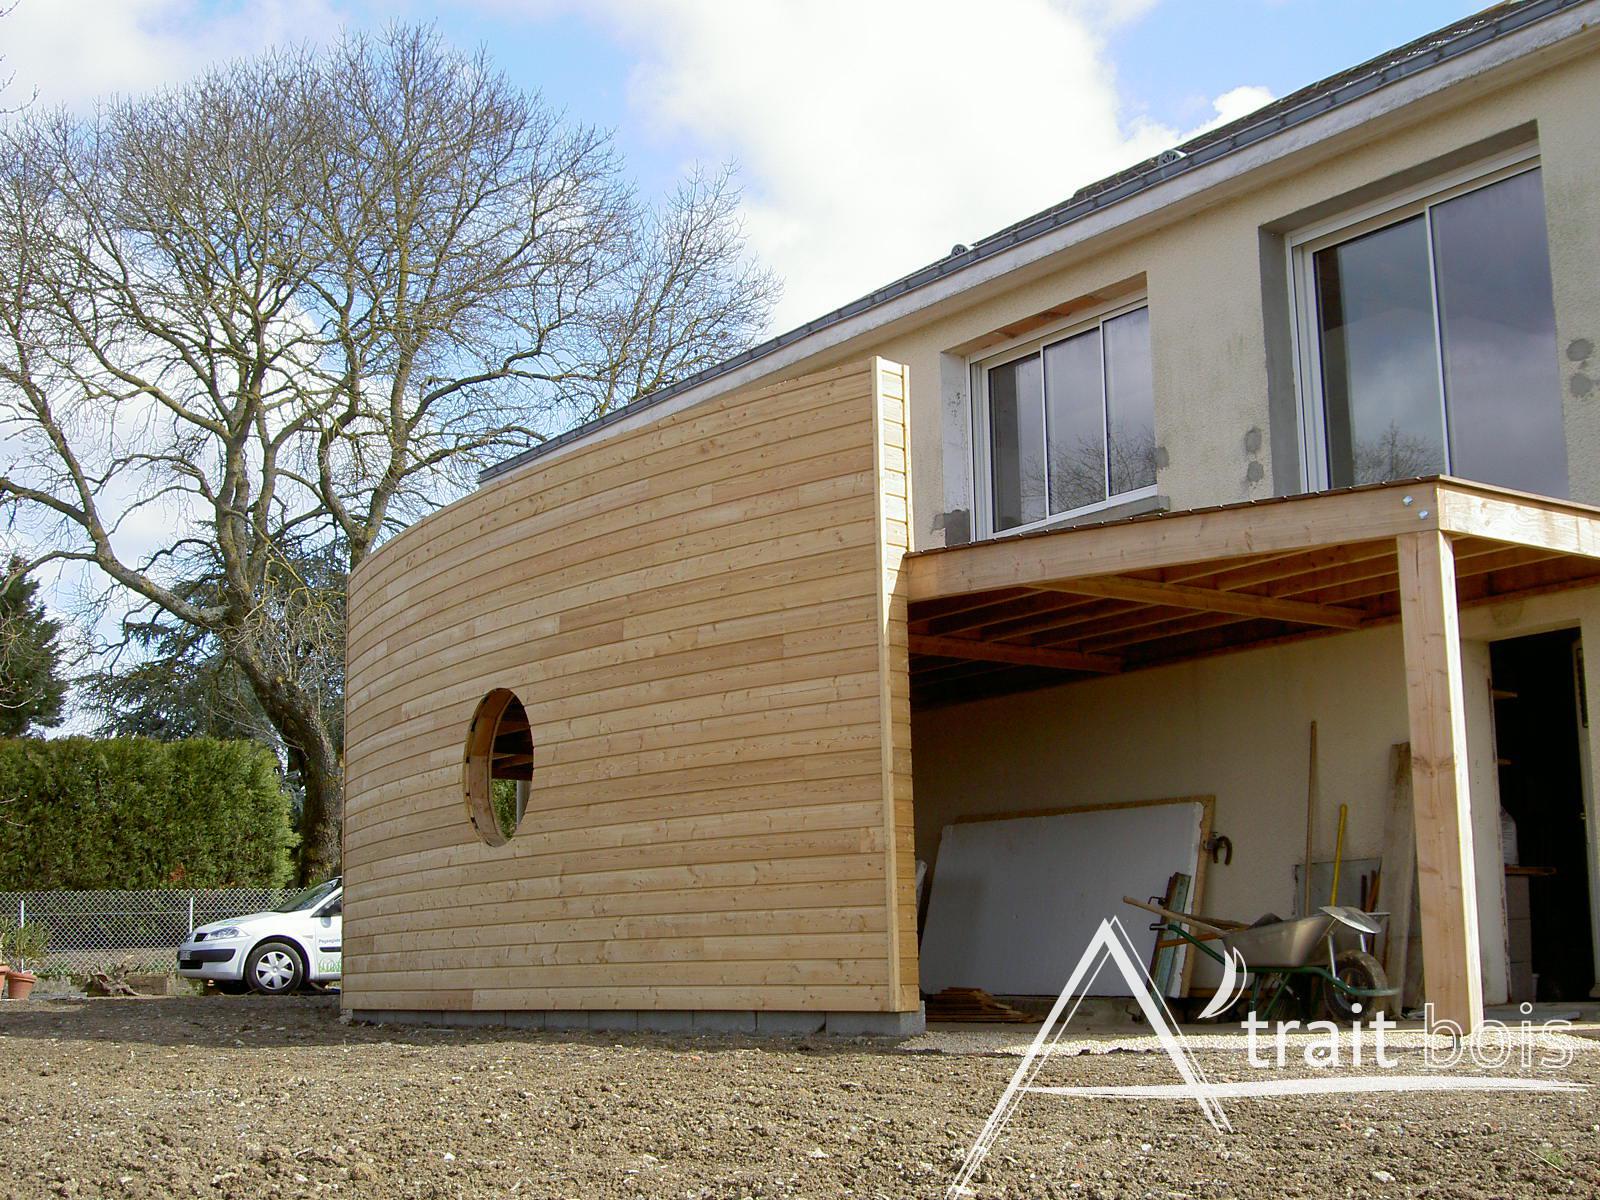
(191, 912)
(22, 910)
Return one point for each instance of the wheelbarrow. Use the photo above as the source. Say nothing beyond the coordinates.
(1294, 963)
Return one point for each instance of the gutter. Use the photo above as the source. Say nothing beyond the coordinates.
(1169, 165)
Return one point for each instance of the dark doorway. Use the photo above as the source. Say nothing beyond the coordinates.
(1539, 725)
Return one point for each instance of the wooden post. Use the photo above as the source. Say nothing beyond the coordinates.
(1441, 802)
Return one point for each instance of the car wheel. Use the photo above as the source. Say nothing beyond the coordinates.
(274, 969)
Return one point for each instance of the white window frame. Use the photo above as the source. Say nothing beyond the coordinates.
(1302, 247)
(978, 368)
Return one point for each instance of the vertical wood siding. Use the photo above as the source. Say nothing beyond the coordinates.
(705, 620)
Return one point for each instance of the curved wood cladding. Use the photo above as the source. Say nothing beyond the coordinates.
(705, 621)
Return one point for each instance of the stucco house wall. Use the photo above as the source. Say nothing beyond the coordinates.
(1213, 270)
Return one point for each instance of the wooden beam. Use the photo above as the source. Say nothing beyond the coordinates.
(1030, 606)
(1037, 612)
(1019, 656)
(1056, 612)
(1317, 583)
(1289, 573)
(1518, 518)
(1283, 525)
(1441, 801)
(1159, 625)
(931, 610)
(1244, 604)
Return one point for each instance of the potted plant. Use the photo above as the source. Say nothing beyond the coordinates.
(22, 945)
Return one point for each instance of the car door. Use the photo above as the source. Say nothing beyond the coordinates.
(328, 938)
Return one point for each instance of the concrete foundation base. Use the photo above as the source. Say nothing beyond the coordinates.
(745, 1021)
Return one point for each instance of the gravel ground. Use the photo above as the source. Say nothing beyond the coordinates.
(243, 1097)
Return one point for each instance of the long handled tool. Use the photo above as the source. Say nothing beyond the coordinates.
(1338, 854)
(1215, 925)
(1311, 822)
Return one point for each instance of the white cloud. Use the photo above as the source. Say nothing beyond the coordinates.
(1108, 14)
(872, 137)
(74, 51)
(1238, 102)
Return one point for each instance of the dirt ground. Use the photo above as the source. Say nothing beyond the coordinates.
(248, 1097)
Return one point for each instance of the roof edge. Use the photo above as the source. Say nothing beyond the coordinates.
(1295, 109)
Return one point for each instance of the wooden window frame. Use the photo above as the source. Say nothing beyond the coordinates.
(477, 769)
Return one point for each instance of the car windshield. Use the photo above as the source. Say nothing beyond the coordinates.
(309, 898)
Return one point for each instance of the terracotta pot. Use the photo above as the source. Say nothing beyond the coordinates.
(20, 984)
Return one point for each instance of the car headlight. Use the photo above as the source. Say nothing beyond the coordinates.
(227, 931)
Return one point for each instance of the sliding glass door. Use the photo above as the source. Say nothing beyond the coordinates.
(1434, 347)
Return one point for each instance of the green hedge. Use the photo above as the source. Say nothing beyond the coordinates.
(136, 813)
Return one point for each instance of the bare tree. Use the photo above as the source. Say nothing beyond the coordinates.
(296, 302)
(1396, 454)
(5, 82)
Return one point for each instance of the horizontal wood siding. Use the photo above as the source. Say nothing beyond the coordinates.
(705, 620)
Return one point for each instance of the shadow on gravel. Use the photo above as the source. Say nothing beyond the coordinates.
(284, 1022)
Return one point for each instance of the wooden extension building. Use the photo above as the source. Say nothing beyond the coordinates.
(1297, 424)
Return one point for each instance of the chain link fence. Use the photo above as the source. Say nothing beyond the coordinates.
(141, 930)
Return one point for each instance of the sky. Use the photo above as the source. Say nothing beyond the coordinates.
(870, 135)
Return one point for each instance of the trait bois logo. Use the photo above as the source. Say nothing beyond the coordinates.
(1356, 1044)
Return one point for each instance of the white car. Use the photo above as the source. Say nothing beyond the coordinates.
(272, 952)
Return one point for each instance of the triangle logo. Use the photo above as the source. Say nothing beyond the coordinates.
(1110, 944)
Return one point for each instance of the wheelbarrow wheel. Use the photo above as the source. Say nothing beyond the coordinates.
(1360, 970)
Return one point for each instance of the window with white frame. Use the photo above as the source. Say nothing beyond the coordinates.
(1066, 422)
(1426, 339)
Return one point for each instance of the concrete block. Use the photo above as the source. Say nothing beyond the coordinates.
(390, 1016)
(1519, 933)
(566, 1019)
(862, 1024)
(479, 1018)
(762, 1024)
(1517, 898)
(737, 1021)
(1521, 982)
(671, 1020)
(789, 1024)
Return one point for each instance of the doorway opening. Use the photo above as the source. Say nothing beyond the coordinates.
(1541, 741)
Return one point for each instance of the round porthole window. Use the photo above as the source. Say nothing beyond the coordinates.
(499, 766)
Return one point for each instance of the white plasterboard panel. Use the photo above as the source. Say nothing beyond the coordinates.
(1015, 901)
